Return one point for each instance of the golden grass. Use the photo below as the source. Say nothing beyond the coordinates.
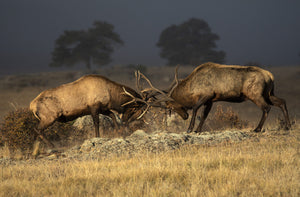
(266, 165)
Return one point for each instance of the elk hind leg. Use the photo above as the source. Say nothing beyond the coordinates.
(265, 107)
(278, 102)
(95, 116)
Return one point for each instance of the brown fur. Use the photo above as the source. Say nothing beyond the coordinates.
(212, 82)
(91, 94)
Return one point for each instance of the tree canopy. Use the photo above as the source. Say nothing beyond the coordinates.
(92, 46)
(191, 42)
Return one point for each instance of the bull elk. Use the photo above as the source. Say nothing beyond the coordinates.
(89, 95)
(212, 82)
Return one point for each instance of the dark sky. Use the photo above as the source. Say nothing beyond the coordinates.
(264, 31)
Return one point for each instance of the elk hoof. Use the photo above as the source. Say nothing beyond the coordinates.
(258, 131)
(287, 128)
(189, 131)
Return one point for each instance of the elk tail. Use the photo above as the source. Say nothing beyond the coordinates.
(269, 91)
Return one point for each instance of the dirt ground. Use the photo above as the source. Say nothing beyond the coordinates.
(18, 90)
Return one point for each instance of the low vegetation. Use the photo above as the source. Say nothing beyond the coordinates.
(265, 165)
(17, 131)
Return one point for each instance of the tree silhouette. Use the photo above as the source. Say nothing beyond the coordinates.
(93, 46)
(191, 42)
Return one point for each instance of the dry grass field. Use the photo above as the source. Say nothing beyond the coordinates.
(265, 164)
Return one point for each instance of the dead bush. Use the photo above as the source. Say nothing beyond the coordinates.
(157, 119)
(225, 120)
(122, 132)
(219, 120)
(17, 131)
(280, 123)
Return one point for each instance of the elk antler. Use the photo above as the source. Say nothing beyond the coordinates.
(139, 86)
(156, 91)
(135, 99)
(149, 82)
(173, 86)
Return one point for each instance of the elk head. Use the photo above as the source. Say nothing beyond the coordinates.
(134, 109)
(164, 101)
(179, 109)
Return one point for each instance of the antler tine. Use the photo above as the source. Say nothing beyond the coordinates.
(140, 116)
(149, 82)
(134, 99)
(176, 82)
(139, 86)
(137, 82)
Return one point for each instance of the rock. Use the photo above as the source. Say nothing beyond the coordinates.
(139, 133)
(140, 141)
(53, 156)
(86, 122)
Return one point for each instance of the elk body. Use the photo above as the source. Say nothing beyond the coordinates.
(212, 82)
(91, 94)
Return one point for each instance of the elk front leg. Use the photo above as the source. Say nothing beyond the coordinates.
(95, 116)
(200, 102)
(45, 140)
(207, 108)
(192, 122)
(113, 117)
